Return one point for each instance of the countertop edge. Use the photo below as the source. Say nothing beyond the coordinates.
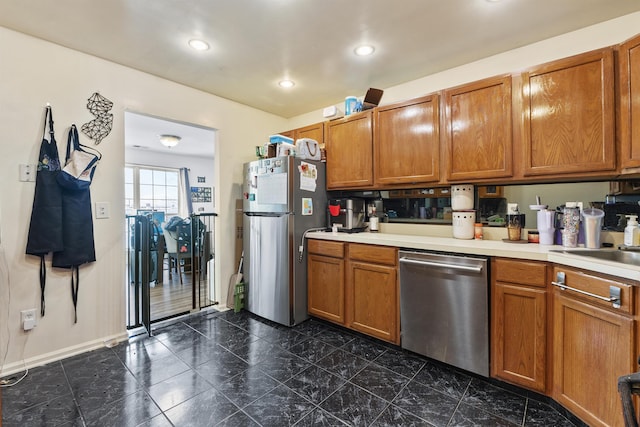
(496, 248)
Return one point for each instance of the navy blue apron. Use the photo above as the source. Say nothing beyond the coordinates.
(45, 229)
(77, 230)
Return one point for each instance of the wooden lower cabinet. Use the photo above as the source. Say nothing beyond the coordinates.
(358, 289)
(372, 295)
(325, 280)
(593, 346)
(520, 307)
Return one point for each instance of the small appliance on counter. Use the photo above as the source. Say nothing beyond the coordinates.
(463, 216)
(348, 215)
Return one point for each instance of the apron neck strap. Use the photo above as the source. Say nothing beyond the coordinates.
(48, 115)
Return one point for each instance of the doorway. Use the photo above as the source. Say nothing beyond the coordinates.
(170, 203)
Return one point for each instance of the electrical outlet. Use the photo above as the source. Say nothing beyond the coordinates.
(29, 319)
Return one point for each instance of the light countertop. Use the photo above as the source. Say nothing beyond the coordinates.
(497, 248)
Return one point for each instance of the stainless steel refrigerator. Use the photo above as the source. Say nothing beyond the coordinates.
(283, 197)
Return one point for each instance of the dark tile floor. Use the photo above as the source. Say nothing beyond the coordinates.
(233, 369)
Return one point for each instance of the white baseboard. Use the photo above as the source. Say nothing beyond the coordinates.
(63, 353)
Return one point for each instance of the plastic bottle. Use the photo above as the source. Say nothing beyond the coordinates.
(631, 231)
(373, 221)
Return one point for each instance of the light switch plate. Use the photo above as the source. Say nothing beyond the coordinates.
(27, 173)
(102, 210)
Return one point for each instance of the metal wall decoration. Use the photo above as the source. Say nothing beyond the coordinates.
(98, 128)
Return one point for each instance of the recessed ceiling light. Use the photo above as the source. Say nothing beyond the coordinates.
(286, 83)
(493, 1)
(364, 50)
(199, 44)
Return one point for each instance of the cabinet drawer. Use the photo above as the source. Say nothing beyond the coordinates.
(373, 254)
(327, 248)
(521, 272)
(596, 285)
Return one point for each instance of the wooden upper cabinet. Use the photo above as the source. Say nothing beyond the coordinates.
(478, 131)
(629, 98)
(569, 117)
(289, 134)
(350, 152)
(314, 131)
(406, 142)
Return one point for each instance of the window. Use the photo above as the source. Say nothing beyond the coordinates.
(151, 188)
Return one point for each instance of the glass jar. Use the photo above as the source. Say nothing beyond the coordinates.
(477, 231)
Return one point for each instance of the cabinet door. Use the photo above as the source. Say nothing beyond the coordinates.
(629, 69)
(315, 131)
(372, 300)
(519, 339)
(289, 134)
(592, 348)
(568, 112)
(406, 142)
(478, 130)
(325, 288)
(349, 152)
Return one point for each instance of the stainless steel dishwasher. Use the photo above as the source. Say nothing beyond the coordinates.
(444, 308)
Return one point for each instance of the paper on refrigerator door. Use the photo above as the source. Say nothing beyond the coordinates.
(307, 206)
(308, 176)
(272, 189)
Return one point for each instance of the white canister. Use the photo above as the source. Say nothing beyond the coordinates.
(463, 224)
(462, 197)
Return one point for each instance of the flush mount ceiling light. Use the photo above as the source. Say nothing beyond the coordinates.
(286, 83)
(364, 50)
(198, 44)
(169, 141)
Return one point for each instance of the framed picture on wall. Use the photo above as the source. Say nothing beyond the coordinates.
(201, 194)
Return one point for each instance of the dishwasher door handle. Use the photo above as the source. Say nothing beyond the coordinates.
(614, 293)
(475, 269)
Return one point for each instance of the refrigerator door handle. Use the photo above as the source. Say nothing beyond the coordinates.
(274, 214)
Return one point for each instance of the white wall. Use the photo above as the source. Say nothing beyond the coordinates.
(34, 72)
(198, 166)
